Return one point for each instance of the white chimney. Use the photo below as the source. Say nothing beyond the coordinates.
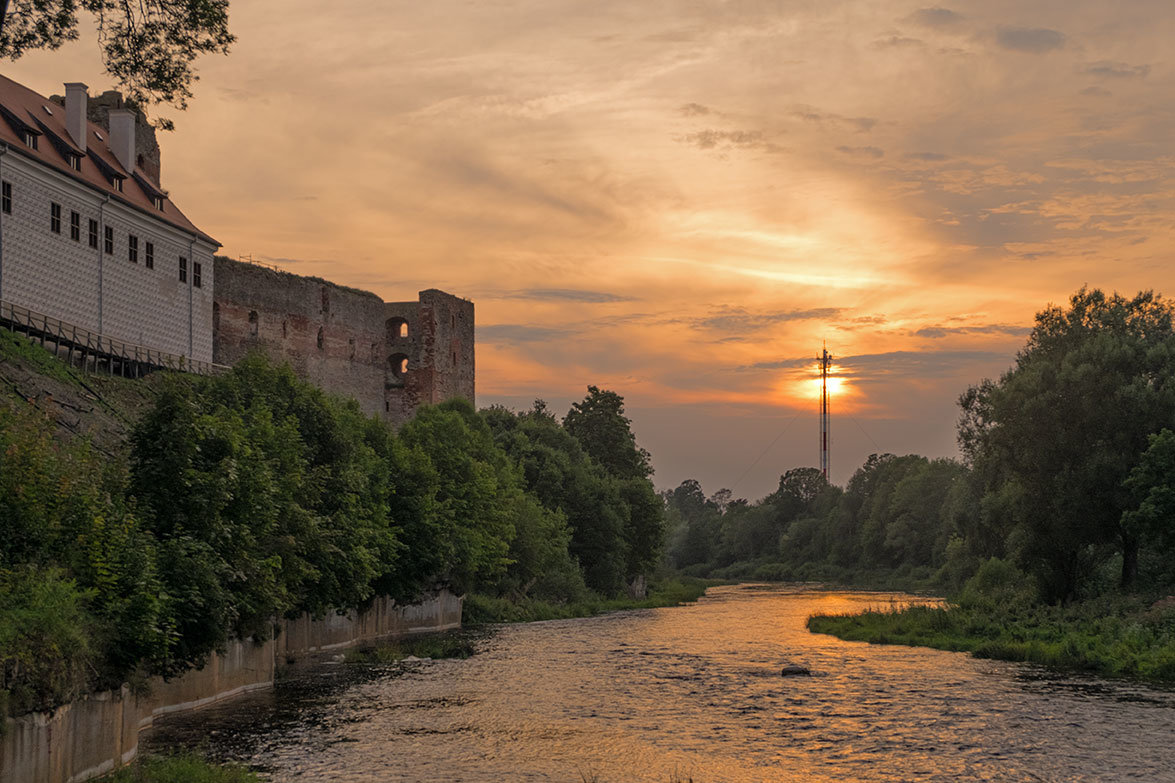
(122, 137)
(76, 102)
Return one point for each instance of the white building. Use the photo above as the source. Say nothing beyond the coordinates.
(88, 237)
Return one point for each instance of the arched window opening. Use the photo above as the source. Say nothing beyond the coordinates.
(351, 348)
(320, 338)
(253, 323)
(397, 328)
(398, 365)
(285, 329)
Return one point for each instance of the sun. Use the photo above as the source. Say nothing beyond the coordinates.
(838, 386)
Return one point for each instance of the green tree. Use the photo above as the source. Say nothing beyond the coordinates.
(148, 46)
(474, 479)
(599, 424)
(1150, 519)
(1055, 438)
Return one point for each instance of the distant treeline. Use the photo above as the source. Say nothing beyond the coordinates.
(254, 495)
(1068, 476)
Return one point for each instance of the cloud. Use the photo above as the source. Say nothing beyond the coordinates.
(521, 333)
(737, 139)
(693, 110)
(936, 332)
(566, 295)
(1097, 92)
(937, 18)
(898, 42)
(894, 364)
(1115, 70)
(1033, 40)
(862, 152)
(739, 319)
(927, 156)
(857, 124)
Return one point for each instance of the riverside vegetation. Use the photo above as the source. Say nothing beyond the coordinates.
(1054, 536)
(202, 508)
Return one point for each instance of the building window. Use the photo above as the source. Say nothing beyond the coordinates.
(398, 365)
(30, 139)
(117, 184)
(75, 162)
(197, 278)
(7, 202)
(183, 269)
(55, 217)
(253, 323)
(132, 248)
(351, 348)
(94, 234)
(158, 202)
(150, 259)
(320, 338)
(75, 226)
(109, 240)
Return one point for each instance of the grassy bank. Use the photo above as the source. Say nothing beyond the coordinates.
(435, 646)
(1118, 637)
(481, 609)
(181, 769)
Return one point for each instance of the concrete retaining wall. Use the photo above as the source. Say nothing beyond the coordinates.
(100, 732)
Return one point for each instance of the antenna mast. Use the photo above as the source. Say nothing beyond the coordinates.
(825, 359)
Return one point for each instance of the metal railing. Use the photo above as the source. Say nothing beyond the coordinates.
(95, 352)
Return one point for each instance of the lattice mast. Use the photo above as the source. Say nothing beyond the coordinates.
(825, 359)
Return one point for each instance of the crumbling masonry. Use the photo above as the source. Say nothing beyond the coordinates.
(390, 356)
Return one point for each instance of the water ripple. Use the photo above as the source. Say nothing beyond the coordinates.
(692, 692)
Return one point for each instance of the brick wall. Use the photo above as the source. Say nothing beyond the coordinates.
(391, 357)
(331, 335)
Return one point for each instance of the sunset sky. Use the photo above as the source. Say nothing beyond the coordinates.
(681, 201)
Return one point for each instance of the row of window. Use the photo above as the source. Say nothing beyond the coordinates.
(75, 233)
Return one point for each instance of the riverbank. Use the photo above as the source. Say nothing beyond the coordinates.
(1119, 637)
(186, 768)
(483, 609)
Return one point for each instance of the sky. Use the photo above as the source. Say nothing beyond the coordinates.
(683, 201)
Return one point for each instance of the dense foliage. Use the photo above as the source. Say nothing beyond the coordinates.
(254, 495)
(1068, 475)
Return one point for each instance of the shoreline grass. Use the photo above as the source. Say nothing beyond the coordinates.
(457, 644)
(181, 768)
(482, 609)
(1120, 638)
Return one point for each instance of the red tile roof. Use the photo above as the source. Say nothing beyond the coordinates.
(25, 108)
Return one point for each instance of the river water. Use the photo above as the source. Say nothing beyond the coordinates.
(692, 692)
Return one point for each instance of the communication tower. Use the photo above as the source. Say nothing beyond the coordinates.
(825, 359)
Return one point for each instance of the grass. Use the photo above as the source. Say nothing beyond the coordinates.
(435, 646)
(1113, 637)
(184, 768)
(481, 609)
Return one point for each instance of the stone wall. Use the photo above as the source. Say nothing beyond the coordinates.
(96, 734)
(390, 357)
(332, 336)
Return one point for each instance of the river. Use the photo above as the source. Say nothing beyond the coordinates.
(692, 692)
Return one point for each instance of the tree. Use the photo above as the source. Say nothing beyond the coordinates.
(148, 46)
(1056, 437)
(599, 424)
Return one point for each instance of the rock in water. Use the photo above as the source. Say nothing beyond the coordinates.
(795, 670)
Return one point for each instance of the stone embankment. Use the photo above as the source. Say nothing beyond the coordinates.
(99, 733)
